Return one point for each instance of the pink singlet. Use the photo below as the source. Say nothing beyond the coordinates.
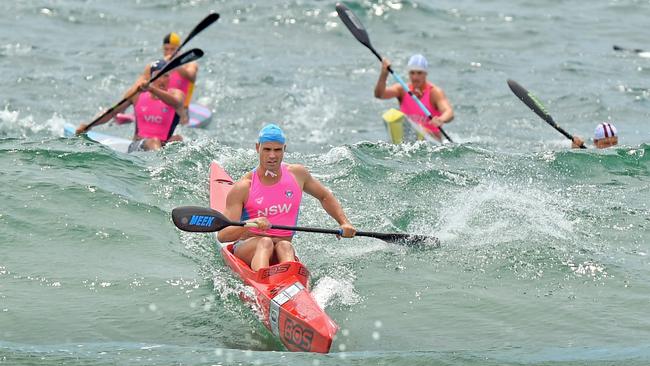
(279, 203)
(153, 118)
(409, 107)
(176, 81)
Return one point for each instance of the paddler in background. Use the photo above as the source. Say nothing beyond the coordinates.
(182, 78)
(271, 195)
(429, 94)
(605, 136)
(156, 108)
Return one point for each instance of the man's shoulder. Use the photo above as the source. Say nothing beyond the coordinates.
(398, 87)
(297, 169)
(435, 88)
(242, 185)
(300, 172)
(245, 180)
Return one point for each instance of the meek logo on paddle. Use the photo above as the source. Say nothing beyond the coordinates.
(275, 209)
(199, 220)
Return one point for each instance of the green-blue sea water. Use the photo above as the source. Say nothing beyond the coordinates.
(544, 256)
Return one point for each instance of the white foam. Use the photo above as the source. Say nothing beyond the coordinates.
(15, 49)
(309, 113)
(14, 123)
(497, 213)
(327, 289)
(337, 155)
(8, 116)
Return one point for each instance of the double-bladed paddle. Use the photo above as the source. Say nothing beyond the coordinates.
(205, 220)
(183, 59)
(533, 103)
(359, 32)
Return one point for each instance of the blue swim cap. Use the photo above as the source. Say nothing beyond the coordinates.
(271, 133)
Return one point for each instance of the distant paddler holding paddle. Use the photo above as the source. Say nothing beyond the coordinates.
(271, 195)
(430, 95)
(154, 128)
(605, 136)
(156, 107)
(182, 78)
(357, 29)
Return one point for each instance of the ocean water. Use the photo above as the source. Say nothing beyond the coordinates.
(544, 256)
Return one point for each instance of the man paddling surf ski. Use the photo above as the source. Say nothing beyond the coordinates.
(271, 195)
(429, 94)
(157, 107)
(182, 78)
(605, 136)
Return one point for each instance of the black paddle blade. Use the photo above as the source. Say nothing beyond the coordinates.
(424, 240)
(189, 56)
(200, 219)
(531, 101)
(410, 240)
(354, 24)
(211, 18)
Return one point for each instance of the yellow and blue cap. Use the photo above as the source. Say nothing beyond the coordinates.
(172, 39)
(271, 133)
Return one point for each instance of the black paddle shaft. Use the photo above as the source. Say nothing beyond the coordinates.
(533, 103)
(203, 219)
(398, 238)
